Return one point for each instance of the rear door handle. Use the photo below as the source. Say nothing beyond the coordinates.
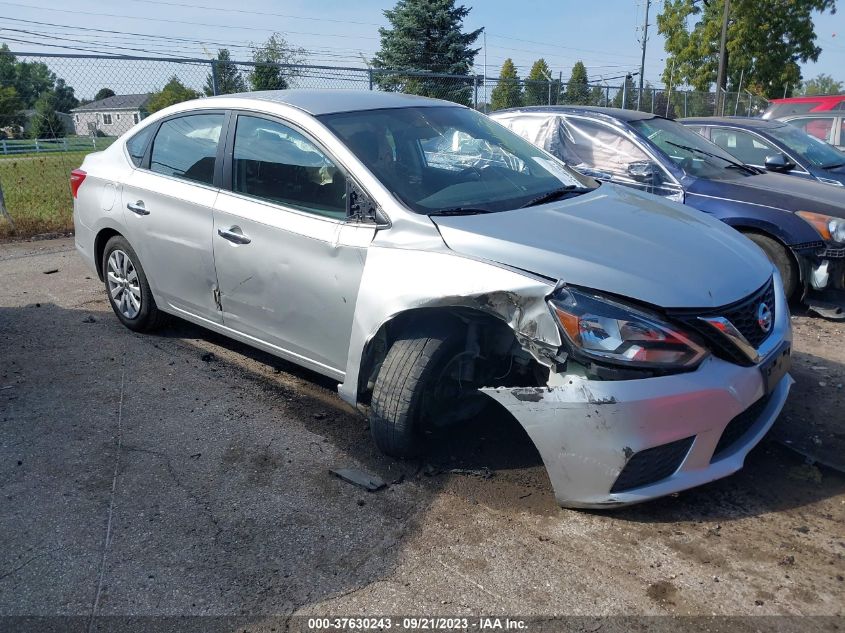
(234, 235)
(137, 208)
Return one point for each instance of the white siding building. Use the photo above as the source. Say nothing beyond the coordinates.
(111, 116)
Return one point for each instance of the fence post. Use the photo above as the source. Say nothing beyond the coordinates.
(3, 143)
(3, 210)
(215, 87)
(653, 97)
(37, 149)
(686, 93)
(475, 91)
(370, 77)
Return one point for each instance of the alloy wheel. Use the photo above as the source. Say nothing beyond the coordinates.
(124, 286)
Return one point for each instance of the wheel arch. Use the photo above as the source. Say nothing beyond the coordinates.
(746, 228)
(493, 329)
(100, 241)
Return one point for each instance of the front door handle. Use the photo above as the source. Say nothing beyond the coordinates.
(234, 235)
(137, 208)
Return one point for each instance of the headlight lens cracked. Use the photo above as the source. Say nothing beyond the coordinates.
(606, 330)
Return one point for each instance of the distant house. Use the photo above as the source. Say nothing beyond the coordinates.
(111, 116)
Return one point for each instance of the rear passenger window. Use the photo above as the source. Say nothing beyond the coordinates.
(276, 163)
(137, 145)
(186, 147)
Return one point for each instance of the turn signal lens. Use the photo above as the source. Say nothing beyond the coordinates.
(831, 229)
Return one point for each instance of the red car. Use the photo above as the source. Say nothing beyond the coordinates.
(802, 105)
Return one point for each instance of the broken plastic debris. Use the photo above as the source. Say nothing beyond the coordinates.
(368, 482)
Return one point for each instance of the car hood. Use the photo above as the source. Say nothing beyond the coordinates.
(620, 241)
(780, 191)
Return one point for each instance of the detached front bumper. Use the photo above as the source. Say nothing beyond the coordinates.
(825, 290)
(610, 443)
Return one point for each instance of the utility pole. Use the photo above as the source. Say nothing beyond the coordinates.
(486, 98)
(642, 63)
(723, 57)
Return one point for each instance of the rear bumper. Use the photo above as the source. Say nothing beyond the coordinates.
(588, 431)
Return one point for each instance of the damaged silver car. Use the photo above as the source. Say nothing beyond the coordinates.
(430, 260)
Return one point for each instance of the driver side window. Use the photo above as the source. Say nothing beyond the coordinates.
(601, 151)
(748, 148)
(274, 162)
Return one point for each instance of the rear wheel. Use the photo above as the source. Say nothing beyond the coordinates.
(127, 288)
(781, 258)
(417, 389)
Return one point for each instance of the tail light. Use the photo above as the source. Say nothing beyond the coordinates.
(77, 177)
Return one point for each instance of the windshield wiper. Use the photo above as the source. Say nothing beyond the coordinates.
(554, 194)
(461, 211)
(832, 165)
(734, 163)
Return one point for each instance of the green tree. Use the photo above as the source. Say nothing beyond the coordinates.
(508, 92)
(103, 93)
(629, 92)
(29, 79)
(578, 86)
(539, 89)
(598, 96)
(426, 36)
(174, 91)
(767, 40)
(270, 73)
(11, 107)
(46, 122)
(229, 78)
(65, 98)
(820, 85)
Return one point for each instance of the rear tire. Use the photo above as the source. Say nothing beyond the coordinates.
(127, 287)
(409, 371)
(781, 258)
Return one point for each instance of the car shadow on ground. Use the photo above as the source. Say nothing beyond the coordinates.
(494, 450)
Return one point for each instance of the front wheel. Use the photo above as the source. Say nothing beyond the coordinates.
(127, 288)
(414, 392)
(781, 258)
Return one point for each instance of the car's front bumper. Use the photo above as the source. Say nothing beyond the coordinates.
(587, 431)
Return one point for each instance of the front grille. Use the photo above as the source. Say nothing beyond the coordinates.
(832, 253)
(652, 465)
(738, 427)
(743, 316)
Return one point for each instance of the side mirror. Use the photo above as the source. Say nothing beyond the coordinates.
(644, 171)
(778, 162)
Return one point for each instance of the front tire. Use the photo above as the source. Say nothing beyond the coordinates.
(410, 371)
(781, 258)
(127, 287)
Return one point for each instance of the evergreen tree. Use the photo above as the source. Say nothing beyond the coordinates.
(11, 108)
(229, 78)
(103, 93)
(426, 36)
(65, 99)
(630, 94)
(598, 96)
(507, 93)
(578, 87)
(272, 58)
(539, 89)
(174, 91)
(767, 40)
(46, 122)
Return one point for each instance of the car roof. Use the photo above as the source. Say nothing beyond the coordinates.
(327, 101)
(615, 113)
(811, 99)
(736, 121)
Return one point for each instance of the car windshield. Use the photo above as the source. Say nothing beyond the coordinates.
(453, 160)
(809, 147)
(690, 151)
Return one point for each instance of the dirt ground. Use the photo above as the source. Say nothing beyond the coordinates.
(183, 474)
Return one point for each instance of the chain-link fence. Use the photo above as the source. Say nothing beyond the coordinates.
(65, 106)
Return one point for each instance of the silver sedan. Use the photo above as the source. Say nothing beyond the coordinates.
(429, 260)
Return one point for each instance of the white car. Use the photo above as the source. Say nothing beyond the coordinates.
(429, 260)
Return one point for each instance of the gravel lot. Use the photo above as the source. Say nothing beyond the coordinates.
(183, 474)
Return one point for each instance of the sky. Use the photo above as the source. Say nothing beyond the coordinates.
(605, 34)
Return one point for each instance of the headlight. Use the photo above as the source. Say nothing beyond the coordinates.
(604, 330)
(830, 228)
